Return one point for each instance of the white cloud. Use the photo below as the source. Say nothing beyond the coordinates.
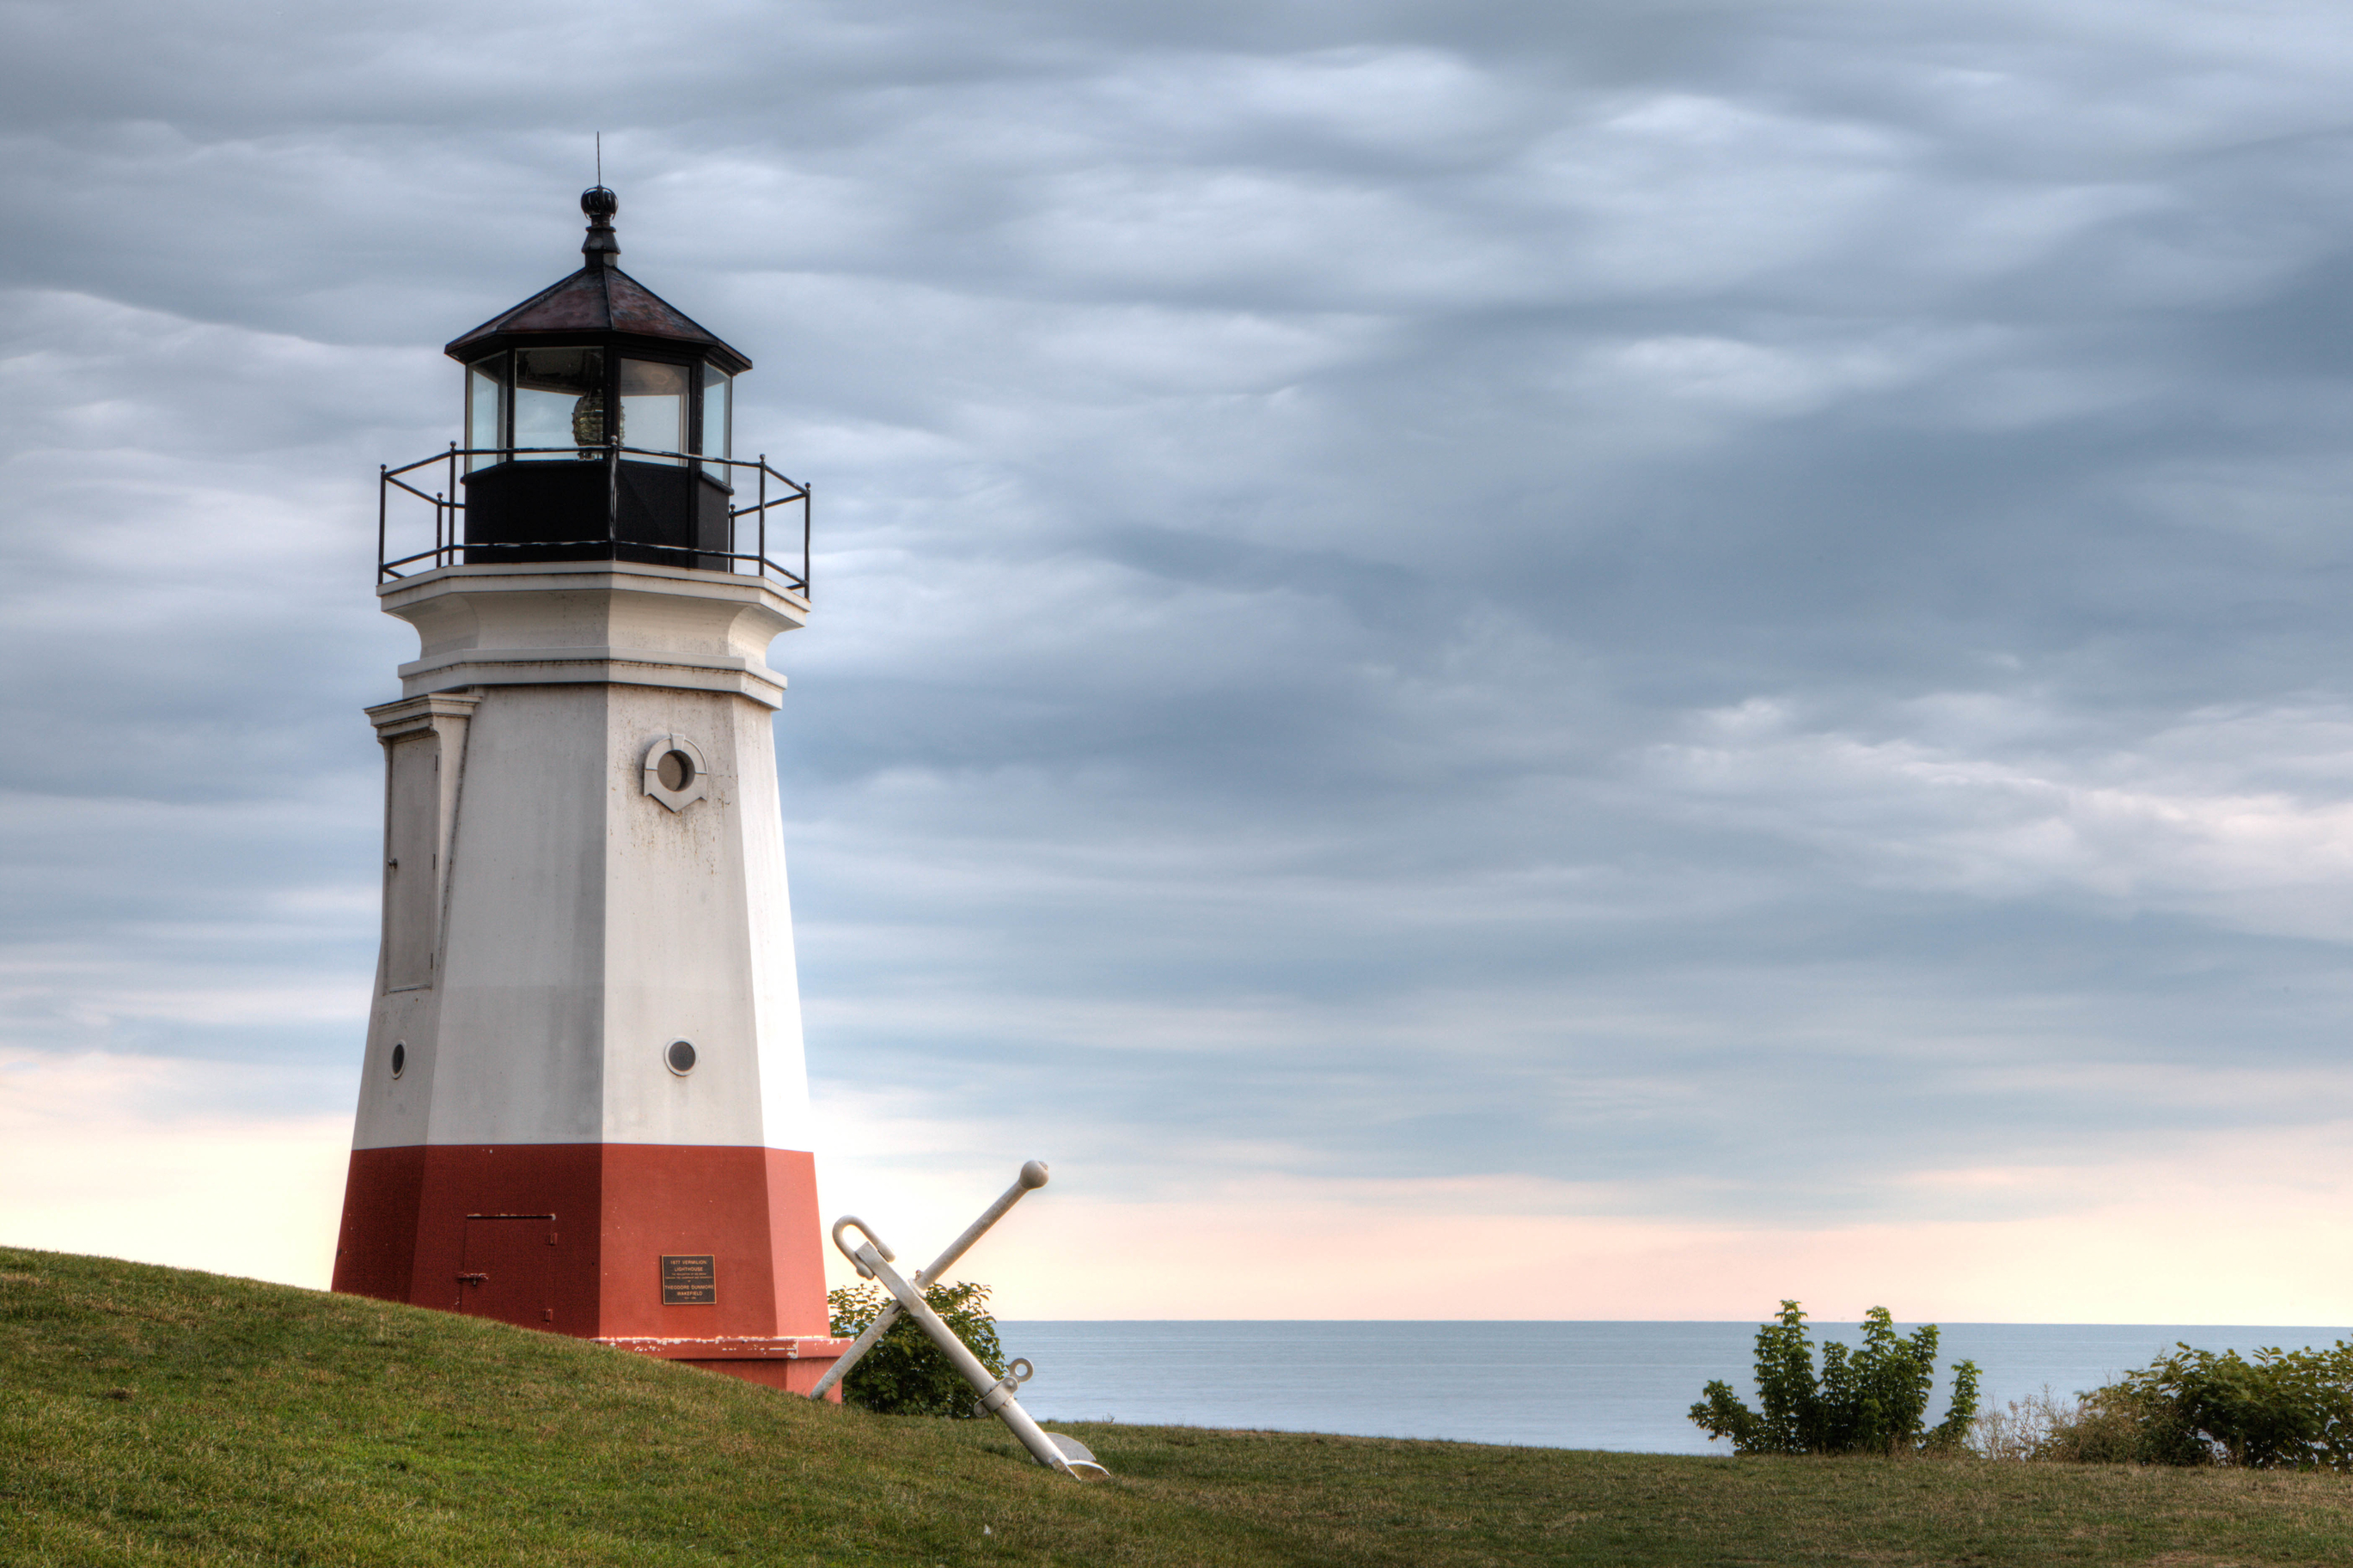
(2244, 818)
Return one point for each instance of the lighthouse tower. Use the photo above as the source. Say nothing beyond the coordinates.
(583, 1107)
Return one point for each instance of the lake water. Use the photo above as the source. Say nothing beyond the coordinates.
(1571, 1385)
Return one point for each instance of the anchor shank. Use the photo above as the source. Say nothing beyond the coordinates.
(960, 1356)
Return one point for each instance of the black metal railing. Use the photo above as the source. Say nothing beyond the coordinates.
(451, 547)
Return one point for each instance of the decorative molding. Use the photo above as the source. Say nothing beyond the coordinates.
(413, 715)
(694, 789)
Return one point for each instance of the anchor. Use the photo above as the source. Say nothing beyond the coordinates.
(872, 1258)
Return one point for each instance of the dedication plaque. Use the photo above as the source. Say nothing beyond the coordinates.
(689, 1280)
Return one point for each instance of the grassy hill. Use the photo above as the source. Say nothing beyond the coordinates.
(155, 1415)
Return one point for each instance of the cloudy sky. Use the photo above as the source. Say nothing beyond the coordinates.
(1475, 660)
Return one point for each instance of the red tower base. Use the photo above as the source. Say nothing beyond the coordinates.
(706, 1255)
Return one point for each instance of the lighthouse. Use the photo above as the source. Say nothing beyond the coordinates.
(583, 1107)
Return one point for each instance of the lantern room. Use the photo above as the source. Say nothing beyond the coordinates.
(598, 419)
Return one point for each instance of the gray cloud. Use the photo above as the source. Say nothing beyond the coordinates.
(1716, 602)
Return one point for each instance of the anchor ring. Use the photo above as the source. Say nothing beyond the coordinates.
(850, 1222)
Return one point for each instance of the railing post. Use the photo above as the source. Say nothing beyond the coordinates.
(613, 498)
(382, 485)
(807, 592)
(764, 517)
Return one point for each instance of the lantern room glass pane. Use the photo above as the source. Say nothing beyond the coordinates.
(653, 407)
(717, 420)
(485, 395)
(559, 400)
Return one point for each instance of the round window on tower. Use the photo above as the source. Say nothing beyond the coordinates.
(675, 773)
(678, 1057)
(399, 1057)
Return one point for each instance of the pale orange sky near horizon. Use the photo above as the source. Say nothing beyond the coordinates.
(94, 1158)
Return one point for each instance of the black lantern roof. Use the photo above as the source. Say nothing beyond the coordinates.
(600, 302)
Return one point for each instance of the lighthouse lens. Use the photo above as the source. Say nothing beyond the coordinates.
(559, 400)
(676, 770)
(680, 1058)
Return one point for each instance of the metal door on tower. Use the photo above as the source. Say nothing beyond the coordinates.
(509, 1268)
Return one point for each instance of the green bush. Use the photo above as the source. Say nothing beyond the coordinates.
(1874, 1400)
(904, 1373)
(2282, 1410)
(2122, 1426)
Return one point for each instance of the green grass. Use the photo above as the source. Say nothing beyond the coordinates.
(155, 1415)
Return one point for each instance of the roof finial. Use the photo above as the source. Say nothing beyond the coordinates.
(601, 247)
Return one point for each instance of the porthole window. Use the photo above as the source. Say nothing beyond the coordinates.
(678, 1057)
(399, 1057)
(675, 773)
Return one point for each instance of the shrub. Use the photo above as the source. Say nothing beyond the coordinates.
(2021, 1428)
(2122, 1426)
(1874, 1400)
(2109, 1425)
(904, 1373)
(2282, 1410)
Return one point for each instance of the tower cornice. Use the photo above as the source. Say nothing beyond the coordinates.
(573, 622)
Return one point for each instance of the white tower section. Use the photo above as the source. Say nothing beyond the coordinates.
(555, 915)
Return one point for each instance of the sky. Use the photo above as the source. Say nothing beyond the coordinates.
(1474, 660)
